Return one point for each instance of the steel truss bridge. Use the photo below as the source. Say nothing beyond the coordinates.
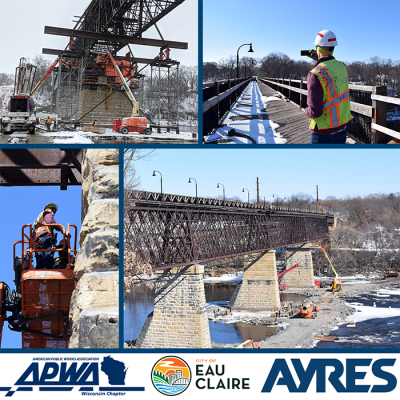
(168, 231)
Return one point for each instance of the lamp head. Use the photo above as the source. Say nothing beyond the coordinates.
(251, 49)
(154, 173)
(190, 181)
(217, 185)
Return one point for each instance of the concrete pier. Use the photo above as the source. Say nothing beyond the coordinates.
(259, 289)
(302, 277)
(179, 319)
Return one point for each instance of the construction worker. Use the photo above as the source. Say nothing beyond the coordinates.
(48, 122)
(328, 96)
(95, 122)
(44, 236)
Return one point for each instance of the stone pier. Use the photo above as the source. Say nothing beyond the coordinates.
(259, 289)
(94, 311)
(300, 277)
(179, 319)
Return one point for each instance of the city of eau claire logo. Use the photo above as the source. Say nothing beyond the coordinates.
(61, 375)
(171, 375)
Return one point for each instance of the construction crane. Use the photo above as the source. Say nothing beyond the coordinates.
(283, 286)
(44, 77)
(21, 108)
(39, 305)
(134, 123)
(336, 284)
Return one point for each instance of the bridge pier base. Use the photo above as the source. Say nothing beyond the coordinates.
(259, 289)
(179, 319)
(303, 276)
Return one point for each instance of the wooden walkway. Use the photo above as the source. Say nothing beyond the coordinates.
(293, 122)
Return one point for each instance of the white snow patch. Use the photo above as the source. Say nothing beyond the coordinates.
(224, 278)
(365, 312)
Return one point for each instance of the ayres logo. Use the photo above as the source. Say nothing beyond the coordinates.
(355, 376)
(61, 374)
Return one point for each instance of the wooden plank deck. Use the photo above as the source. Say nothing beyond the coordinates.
(293, 122)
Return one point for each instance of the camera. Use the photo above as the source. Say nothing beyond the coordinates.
(309, 53)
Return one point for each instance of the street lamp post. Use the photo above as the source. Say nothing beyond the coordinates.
(248, 195)
(223, 187)
(154, 174)
(195, 184)
(237, 56)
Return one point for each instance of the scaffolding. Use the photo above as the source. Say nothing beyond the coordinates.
(164, 92)
(67, 88)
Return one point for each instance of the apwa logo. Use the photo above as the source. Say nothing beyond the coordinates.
(63, 375)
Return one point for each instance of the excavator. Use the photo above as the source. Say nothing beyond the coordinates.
(336, 284)
(38, 307)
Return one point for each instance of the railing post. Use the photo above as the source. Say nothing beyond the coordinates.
(379, 116)
(290, 84)
(301, 94)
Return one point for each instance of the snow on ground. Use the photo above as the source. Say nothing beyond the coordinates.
(364, 313)
(5, 93)
(225, 278)
(259, 129)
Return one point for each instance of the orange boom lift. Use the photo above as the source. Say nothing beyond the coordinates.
(40, 303)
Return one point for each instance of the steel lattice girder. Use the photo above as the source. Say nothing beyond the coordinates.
(169, 237)
(40, 167)
(120, 17)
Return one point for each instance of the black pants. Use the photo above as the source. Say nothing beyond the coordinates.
(44, 260)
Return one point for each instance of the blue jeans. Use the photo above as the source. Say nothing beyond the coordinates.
(44, 260)
(335, 138)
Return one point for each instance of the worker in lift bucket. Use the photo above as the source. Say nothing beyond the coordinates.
(328, 96)
(61, 261)
(45, 237)
(48, 122)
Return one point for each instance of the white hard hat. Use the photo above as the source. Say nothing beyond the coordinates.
(326, 39)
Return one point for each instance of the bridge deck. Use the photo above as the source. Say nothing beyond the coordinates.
(262, 116)
(293, 123)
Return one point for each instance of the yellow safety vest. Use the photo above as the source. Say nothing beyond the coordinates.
(332, 75)
(40, 220)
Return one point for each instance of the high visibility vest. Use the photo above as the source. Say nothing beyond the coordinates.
(332, 75)
(40, 220)
(48, 121)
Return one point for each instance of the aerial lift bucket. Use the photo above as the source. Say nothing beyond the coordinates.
(45, 293)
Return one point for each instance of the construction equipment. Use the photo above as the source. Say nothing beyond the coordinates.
(307, 312)
(283, 286)
(391, 274)
(135, 123)
(21, 108)
(336, 284)
(44, 77)
(39, 305)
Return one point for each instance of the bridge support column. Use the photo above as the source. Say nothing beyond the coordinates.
(179, 319)
(302, 276)
(259, 289)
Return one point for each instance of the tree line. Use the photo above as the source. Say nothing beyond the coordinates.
(374, 72)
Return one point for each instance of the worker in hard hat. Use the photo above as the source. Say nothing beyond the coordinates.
(48, 122)
(45, 237)
(95, 122)
(328, 96)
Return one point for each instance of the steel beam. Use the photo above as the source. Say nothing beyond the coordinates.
(67, 53)
(40, 167)
(107, 37)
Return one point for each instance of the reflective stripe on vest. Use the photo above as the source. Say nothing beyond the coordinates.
(40, 220)
(336, 97)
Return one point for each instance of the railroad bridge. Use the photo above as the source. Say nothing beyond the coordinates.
(177, 235)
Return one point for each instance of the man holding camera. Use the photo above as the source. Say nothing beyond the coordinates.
(328, 97)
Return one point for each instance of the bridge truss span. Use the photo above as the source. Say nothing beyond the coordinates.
(166, 234)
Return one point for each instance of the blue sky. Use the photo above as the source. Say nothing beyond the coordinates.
(20, 206)
(363, 28)
(337, 172)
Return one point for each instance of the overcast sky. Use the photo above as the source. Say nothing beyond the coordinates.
(364, 28)
(22, 26)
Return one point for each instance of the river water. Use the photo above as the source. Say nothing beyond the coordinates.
(140, 302)
(377, 333)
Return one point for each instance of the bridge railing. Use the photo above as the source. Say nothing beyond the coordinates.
(218, 98)
(369, 105)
